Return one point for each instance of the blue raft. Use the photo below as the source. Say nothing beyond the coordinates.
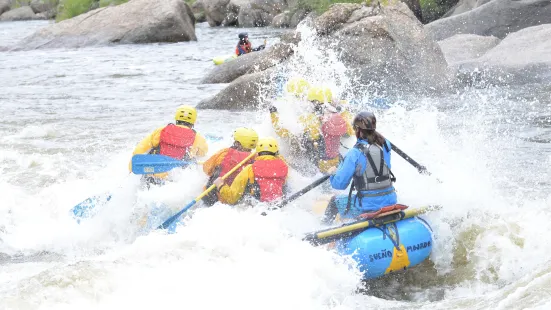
(389, 248)
(393, 242)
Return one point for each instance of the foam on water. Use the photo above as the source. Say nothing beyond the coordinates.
(489, 249)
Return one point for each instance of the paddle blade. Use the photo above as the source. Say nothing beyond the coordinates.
(86, 208)
(151, 164)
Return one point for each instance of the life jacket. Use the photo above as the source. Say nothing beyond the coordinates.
(269, 178)
(243, 48)
(175, 141)
(377, 175)
(232, 158)
(332, 130)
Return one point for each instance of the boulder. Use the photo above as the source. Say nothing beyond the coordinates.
(244, 13)
(388, 46)
(5, 5)
(522, 57)
(248, 63)
(40, 6)
(297, 17)
(464, 47)
(464, 6)
(22, 13)
(282, 20)
(198, 12)
(415, 7)
(137, 21)
(495, 18)
(242, 94)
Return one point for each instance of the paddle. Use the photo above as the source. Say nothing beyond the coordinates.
(422, 169)
(344, 231)
(154, 163)
(173, 218)
(299, 193)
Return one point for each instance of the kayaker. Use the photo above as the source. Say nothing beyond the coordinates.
(322, 130)
(367, 165)
(265, 179)
(244, 46)
(245, 140)
(179, 141)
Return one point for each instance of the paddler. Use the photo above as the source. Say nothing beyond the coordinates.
(244, 46)
(367, 165)
(265, 179)
(322, 130)
(244, 141)
(179, 141)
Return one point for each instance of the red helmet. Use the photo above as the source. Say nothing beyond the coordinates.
(365, 121)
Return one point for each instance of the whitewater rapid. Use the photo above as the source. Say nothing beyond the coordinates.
(71, 118)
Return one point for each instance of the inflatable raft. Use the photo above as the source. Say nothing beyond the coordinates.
(222, 59)
(395, 239)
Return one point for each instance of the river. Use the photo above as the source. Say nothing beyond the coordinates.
(71, 118)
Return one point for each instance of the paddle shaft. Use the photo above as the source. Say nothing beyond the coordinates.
(173, 218)
(422, 169)
(303, 191)
(346, 230)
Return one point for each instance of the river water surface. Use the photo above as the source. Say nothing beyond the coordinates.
(70, 119)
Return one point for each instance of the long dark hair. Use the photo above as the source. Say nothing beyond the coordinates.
(372, 137)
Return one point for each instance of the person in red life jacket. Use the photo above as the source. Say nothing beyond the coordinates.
(244, 46)
(179, 141)
(322, 130)
(264, 180)
(245, 140)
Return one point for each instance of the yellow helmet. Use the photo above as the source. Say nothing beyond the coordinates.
(320, 94)
(267, 145)
(297, 86)
(186, 113)
(246, 137)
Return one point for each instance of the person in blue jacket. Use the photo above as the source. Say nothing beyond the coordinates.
(367, 166)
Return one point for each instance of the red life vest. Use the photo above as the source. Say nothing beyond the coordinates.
(269, 176)
(175, 141)
(332, 130)
(247, 48)
(232, 158)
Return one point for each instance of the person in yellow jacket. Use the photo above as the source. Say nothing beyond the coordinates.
(264, 180)
(179, 141)
(245, 140)
(298, 87)
(322, 130)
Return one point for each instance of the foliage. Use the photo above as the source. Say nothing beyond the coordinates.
(434, 9)
(71, 8)
(320, 6)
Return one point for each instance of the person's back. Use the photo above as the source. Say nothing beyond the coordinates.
(223, 161)
(368, 166)
(179, 141)
(264, 180)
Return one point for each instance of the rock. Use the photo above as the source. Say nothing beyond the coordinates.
(415, 7)
(248, 63)
(522, 57)
(40, 6)
(496, 18)
(137, 21)
(464, 47)
(464, 6)
(5, 5)
(51, 14)
(22, 13)
(243, 93)
(335, 17)
(198, 12)
(245, 13)
(390, 48)
(282, 20)
(299, 16)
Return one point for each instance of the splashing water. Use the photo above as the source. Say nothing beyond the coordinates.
(67, 133)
